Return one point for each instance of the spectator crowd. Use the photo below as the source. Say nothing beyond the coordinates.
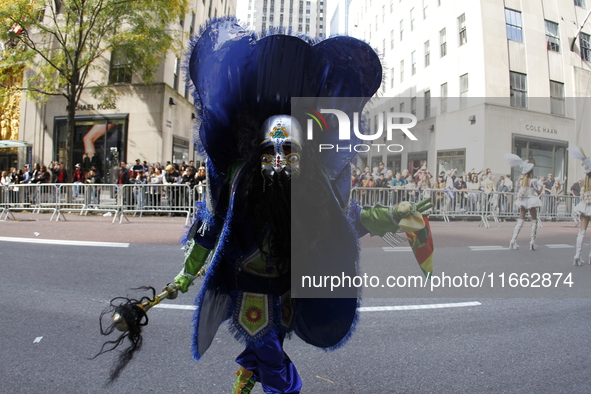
(138, 173)
(470, 191)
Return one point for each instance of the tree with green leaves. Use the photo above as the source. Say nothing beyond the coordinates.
(63, 46)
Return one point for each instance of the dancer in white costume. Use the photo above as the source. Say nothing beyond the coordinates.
(528, 199)
(582, 209)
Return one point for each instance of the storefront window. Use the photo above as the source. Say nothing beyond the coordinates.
(99, 142)
(180, 150)
(451, 159)
(549, 156)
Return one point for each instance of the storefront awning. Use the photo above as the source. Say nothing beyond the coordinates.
(13, 144)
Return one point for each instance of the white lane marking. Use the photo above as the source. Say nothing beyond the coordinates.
(38, 339)
(65, 242)
(559, 246)
(411, 307)
(491, 247)
(362, 309)
(396, 249)
(176, 306)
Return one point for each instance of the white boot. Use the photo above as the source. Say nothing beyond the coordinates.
(578, 246)
(534, 231)
(516, 230)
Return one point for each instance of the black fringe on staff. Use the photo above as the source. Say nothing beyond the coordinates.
(135, 318)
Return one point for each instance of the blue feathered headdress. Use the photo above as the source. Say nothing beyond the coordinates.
(233, 70)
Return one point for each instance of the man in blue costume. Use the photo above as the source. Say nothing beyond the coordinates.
(259, 165)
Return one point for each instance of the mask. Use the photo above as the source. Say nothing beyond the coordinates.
(281, 146)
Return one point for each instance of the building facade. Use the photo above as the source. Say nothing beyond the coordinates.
(298, 16)
(151, 122)
(483, 78)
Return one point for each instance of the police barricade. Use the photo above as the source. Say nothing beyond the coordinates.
(371, 196)
(29, 197)
(558, 207)
(464, 204)
(176, 200)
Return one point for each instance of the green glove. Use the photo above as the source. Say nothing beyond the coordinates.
(380, 220)
(195, 258)
(423, 206)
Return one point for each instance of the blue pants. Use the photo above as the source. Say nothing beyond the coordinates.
(271, 366)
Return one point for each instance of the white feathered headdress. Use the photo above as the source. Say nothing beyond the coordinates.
(578, 153)
(516, 161)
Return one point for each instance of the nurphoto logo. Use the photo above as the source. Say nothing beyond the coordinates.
(393, 121)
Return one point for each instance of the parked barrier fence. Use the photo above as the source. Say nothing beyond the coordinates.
(122, 201)
(459, 204)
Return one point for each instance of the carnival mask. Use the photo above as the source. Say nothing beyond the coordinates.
(281, 146)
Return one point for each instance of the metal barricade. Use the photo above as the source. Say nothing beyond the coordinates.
(177, 200)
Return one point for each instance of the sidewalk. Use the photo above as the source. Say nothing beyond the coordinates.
(164, 230)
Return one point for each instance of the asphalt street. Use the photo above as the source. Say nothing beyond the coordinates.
(520, 339)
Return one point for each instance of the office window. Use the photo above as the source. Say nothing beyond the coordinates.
(463, 90)
(514, 26)
(392, 77)
(412, 19)
(556, 98)
(392, 34)
(427, 104)
(401, 106)
(413, 106)
(121, 68)
(425, 9)
(427, 54)
(413, 63)
(402, 71)
(401, 29)
(552, 36)
(442, 43)
(518, 86)
(462, 29)
(585, 42)
(580, 3)
(443, 96)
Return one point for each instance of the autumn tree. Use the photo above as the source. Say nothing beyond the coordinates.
(63, 46)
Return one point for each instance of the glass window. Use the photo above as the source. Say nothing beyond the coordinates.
(413, 63)
(401, 29)
(514, 26)
(443, 96)
(557, 98)
(413, 106)
(552, 36)
(463, 90)
(550, 155)
(98, 141)
(585, 40)
(518, 86)
(121, 68)
(392, 39)
(427, 104)
(427, 54)
(392, 77)
(402, 71)
(462, 29)
(580, 3)
(442, 43)
(412, 19)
